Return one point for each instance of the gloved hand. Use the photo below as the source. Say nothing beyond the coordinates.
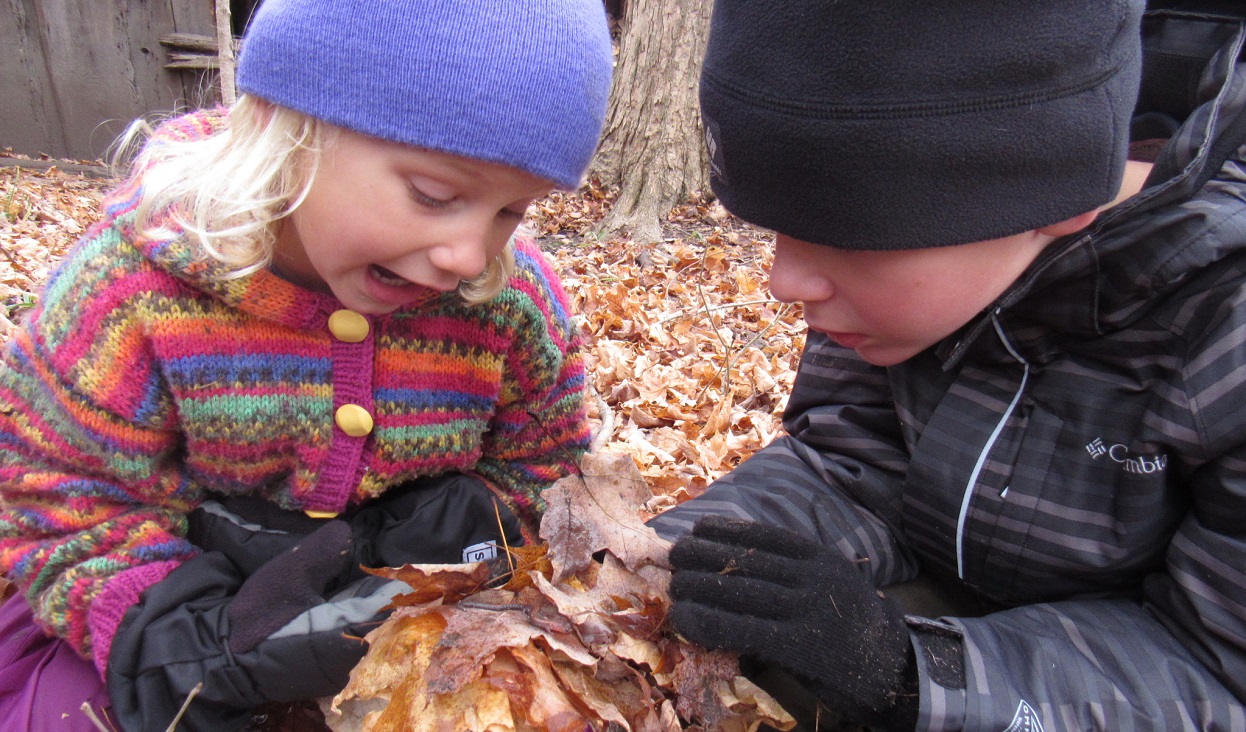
(780, 598)
(273, 636)
(443, 520)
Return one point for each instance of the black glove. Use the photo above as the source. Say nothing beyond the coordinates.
(780, 598)
(273, 636)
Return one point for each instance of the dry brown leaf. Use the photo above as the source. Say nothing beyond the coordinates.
(446, 582)
(581, 521)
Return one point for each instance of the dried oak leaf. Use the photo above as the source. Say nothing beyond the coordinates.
(597, 510)
(475, 632)
(710, 689)
(445, 582)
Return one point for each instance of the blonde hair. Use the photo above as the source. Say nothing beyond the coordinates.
(227, 191)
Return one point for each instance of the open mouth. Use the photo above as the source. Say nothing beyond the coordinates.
(387, 277)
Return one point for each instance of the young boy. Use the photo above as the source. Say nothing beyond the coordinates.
(1026, 367)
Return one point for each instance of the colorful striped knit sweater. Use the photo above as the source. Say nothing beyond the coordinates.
(144, 380)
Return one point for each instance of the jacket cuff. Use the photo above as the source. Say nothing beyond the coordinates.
(110, 605)
(941, 707)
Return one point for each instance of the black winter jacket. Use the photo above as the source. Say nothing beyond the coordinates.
(1076, 456)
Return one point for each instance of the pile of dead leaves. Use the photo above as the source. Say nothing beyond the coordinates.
(569, 643)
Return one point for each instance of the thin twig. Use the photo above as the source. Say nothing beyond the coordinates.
(705, 304)
(726, 346)
(497, 512)
(495, 607)
(713, 308)
(725, 369)
(95, 720)
(185, 705)
(17, 265)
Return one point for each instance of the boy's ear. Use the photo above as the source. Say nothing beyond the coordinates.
(1068, 226)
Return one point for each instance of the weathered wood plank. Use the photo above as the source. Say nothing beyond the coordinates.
(193, 61)
(189, 42)
(29, 121)
(85, 69)
(188, 51)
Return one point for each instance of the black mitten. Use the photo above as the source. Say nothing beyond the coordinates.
(273, 636)
(446, 519)
(287, 585)
(771, 594)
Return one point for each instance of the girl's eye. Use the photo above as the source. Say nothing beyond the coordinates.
(511, 213)
(424, 199)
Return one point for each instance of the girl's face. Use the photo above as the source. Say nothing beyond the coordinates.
(889, 306)
(384, 222)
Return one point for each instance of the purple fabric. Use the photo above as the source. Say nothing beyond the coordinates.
(43, 682)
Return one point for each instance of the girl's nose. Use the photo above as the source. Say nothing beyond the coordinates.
(463, 251)
(795, 278)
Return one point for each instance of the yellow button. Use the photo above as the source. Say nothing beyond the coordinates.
(321, 514)
(348, 326)
(354, 420)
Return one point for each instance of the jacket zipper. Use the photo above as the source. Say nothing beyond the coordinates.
(986, 449)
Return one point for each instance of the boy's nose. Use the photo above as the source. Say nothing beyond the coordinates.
(792, 279)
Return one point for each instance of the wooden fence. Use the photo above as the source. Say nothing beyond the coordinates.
(75, 73)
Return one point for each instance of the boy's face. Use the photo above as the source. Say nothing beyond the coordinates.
(383, 223)
(889, 306)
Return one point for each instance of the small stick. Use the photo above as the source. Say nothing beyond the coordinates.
(497, 512)
(95, 720)
(472, 605)
(186, 704)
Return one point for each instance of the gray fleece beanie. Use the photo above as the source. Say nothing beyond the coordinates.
(892, 124)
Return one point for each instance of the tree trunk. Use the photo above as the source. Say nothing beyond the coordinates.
(652, 149)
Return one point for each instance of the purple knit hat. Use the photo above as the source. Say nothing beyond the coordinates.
(519, 83)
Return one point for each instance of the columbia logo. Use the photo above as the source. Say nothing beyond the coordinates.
(1025, 720)
(1132, 463)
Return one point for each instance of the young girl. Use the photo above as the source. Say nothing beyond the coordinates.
(304, 338)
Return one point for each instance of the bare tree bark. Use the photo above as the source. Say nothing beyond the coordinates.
(652, 149)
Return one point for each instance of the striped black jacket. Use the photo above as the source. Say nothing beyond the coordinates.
(1077, 456)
